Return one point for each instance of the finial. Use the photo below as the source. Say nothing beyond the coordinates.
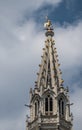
(47, 24)
(48, 27)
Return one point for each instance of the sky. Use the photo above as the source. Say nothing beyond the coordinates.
(22, 38)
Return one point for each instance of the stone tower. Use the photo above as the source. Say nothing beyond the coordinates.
(49, 101)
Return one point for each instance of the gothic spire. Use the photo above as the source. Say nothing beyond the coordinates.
(49, 75)
(49, 101)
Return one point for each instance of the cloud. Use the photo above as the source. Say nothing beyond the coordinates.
(76, 97)
(14, 124)
(18, 54)
(15, 9)
(68, 42)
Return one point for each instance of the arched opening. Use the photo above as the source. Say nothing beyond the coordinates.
(48, 105)
(36, 108)
(61, 104)
(51, 104)
(62, 107)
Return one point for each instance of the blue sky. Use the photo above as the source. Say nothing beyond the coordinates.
(66, 11)
(21, 42)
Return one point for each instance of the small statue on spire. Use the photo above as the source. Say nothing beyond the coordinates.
(47, 24)
(48, 27)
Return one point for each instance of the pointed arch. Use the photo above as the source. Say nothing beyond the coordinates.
(36, 104)
(48, 101)
(62, 105)
(48, 105)
(48, 92)
(36, 107)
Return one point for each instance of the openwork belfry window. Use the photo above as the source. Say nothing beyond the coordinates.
(61, 107)
(48, 105)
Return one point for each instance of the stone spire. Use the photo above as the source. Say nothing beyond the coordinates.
(49, 75)
(49, 101)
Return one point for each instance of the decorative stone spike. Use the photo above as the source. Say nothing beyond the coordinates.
(46, 46)
(56, 55)
(62, 80)
(48, 40)
(37, 73)
(39, 65)
(35, 81)
(46, 53)
(42, 56)
(43, 48)
(60, 72)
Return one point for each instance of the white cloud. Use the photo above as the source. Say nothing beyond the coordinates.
(14, 9)
(68, 41)
(76, 98)
(17, 68)
(14, 124)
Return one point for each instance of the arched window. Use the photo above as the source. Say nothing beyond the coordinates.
(36, 108)
(51, 104)
(61, 107)
(48, 105)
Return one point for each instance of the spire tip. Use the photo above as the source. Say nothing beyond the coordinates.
(48, 27)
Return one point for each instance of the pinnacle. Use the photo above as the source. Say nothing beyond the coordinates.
(49, 74)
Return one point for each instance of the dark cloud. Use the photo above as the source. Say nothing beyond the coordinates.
(66, 12)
